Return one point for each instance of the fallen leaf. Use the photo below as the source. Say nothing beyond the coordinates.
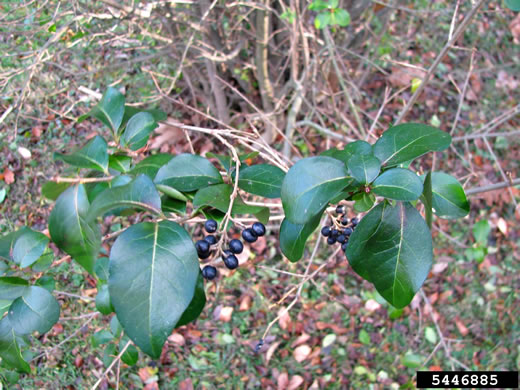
(439, 267)
(24, 152)
(300, 340)
(502, 226)
(245, 303)
(461, 327)
(515, 29)
(295, 382)
(8, 176)
(403, 76)
(270, 352)
(186, 384)
(285, 318)
(372, 305)
(282, 381)
(225, 314)
(37, 131)
(301, 353)
(177, 339)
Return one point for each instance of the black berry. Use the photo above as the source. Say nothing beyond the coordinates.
(344, 246)
(204, 255)
(211, 226)
(227, 253)
(211, 240)
(258, 228)
(340, 209)
(249, 235)
(231, 262)
(331, 240)
(202, 247)
(209, 272)
(236, 246)
(334, 233)
(341, 239)
(347, 232)
(325, 231)
(344, 221)
(354, 221)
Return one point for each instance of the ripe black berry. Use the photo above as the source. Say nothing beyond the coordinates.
(354, 221)
(258, 228)
(204, 255)
(347, 232)
(344, 246)
(231, 262)
(341, 239)
(331, 240)
(211, 240)
(249, 235)
(340, 209)
(202, 247)
(236, 246)
(227, 252)
(334, 233)
(211, 226)
(344, 221)
(325, 231)
(209, 272)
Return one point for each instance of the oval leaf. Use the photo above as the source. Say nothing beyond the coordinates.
(151, 165)
(351, 149)
(140, 193)
(120, 162)
(293, 237)
(103, 303)
(36, 310)
(364, 167)
(392, 248)
(131, 354)
(7, 242)
(309, 185)
(448, 198)
(188, 172)
(12, 287)
(196, 305)
(262, 179)
(93, 155)
(69, 229)
(138, 130)
(51, 190)
(29, 247)
(9, 347)
(153, 273)
(110, 110)
(407, 141)
(398, 184)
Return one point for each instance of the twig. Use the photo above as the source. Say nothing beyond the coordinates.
(492, 187)
(485, 135)
(463, 93)
(117, 358)
(80, 180)
(323, 130)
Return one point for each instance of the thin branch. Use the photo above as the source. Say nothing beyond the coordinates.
(492, 187)
(118, 357)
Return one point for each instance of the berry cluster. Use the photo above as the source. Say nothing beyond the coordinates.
(235, 247)
(341, 229)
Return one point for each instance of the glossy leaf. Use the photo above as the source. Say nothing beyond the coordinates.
(109, 110)
(351, 149)
(364, 202)
(120, 162)
(153, 274)
(171, 192)
(103, 304)
(9, 347)
(7, 242)
(310, 184)
(196, 305)
(12, 287)
(427, 199)
(101, 268)
(151, 165)
(140, 193)
(294, 237)
(131, 354)
(513, 5)
(46, 282)
(94, 155)
(398, 184)
(188, 172)
(109, 354)
(218, 196)
(29, 247)
(262, 179)
(392, 248)
(138, 130)
(51, 190)
(130, 111)
(44, 261)
(101, 337)
(169, 205)
(408, 141)
(70, 231)
(449, 200)
(36, 310)
(364, 168)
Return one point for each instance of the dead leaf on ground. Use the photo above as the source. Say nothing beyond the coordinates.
(439, 267)
(8, 176)
(177, 339)
(300, 340)
(403, 76)
(285, 318)
(514, 26)
(295, 382)
(461, 327)
(270, 352)
(186, 384)
(245, 303)
(225, 314)
(372, 305)
(301, 353)
(282, 381)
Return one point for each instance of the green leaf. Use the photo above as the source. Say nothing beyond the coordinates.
(218, 196)
(101, 337)
(7, 242)
(115, 326)
(293, 237)
(398, 184)
(364, 202)
(342, 17)
(318, 5)
(12, 287)
(364, 167)
(151, 164)
(309, 185)
(449, 200)
(9, 347)
(140, 193)
(408, 141)
(481, 231)
(120, 162)
(130, 111)
(109, 110)
(36, 310)
(430, 335)
(29, 247)
(364, 337)
(69, 229)
(196, 305)
(411, 360)
(109, 354)
(131, 354)
(138, 130)
(427, 199)
(94, 155)
(169, 205)
(3, 267)
(153, 274)
(171, 192)
(322, 20)
(103, 304)
(392, 248)
(188, 172)
(262, 179)
(44, 261)
(513, 5)
(47, 282)
(51, 190)
(351, 149)
(101, 268)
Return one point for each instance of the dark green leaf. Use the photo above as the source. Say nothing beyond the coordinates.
(29, 247)
(398, 184)
(101, 337)
(9, 347)
(188, 172)
(115, 326)
(130, 111)
(3, 267)
(196, 305)
(151, 164)
(227, 161)
(513, 5)
(351, 149)
(138, 130)
(51, 190)
(293, 237)
(109, 354)
(47, 282)
(392, 248)
(481, 231)
(171, 192)
(411, 360)
(218, 196)
(36, 310)
(12, 287)
(408, 141)
(140, 193)
(120, 162)
(427, 198)
(109, 110)
(449, 200)
(101, 268)
(94, 155)
(131, 354)
(44, 262)
(69, 230)
(170, 205)
(7, 242)
(103, 304)
(364, 202)
(310, 184)
(364, 167)
(153, 274)
(262, 179)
